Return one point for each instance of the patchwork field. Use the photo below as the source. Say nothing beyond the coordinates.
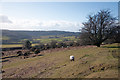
(14, 45)
(44, 39)
(90, 62)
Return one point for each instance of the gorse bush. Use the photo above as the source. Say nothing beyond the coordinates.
(46, 46)
(32, 49)
(37, 51)
(70, 43)
(19, 53)
(60, 44)
(26, 53)
(53, 44)
(75, 44)
(41, 46)
(64, 44)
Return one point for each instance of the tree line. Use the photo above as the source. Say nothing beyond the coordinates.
(53, 44)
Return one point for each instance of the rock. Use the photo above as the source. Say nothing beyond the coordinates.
(98, 77)
(103, 68)
(72, 73)
(86, 62)
(64, 65)
(92, 67)
(100, 64)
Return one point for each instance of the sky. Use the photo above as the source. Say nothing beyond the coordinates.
(61, 16)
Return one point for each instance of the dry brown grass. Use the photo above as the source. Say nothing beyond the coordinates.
(90, 62)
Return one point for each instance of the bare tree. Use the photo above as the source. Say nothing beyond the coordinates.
(98, 28)
(116, 34)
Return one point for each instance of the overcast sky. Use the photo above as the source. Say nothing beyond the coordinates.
(63, 16)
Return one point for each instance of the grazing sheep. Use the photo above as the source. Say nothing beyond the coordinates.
(72, 58)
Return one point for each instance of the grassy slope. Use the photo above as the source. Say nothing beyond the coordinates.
(56, 64)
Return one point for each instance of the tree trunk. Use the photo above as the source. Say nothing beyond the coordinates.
(98, 44)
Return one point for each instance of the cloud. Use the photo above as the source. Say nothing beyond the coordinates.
(60, 25)
(4, 19)
(26, 24)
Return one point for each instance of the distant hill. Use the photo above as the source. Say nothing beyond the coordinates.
(14, 35)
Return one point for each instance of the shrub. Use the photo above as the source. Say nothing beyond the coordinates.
(2, 53)
(40, 46)
(46, 46)
(75, 44)
(32, 49)
(37, 51)
(65, 40)
(79, 42)
(27, 53)
(53, 44)
(64, 44)
(70, 43)
(26, 44)
(19, 53)
(60, 44)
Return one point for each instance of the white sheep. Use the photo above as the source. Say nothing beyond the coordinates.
(71, 58)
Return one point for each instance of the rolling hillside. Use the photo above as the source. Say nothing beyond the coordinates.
(10, 36)
(90, 62)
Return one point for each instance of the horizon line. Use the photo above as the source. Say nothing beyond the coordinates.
(39, 30)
